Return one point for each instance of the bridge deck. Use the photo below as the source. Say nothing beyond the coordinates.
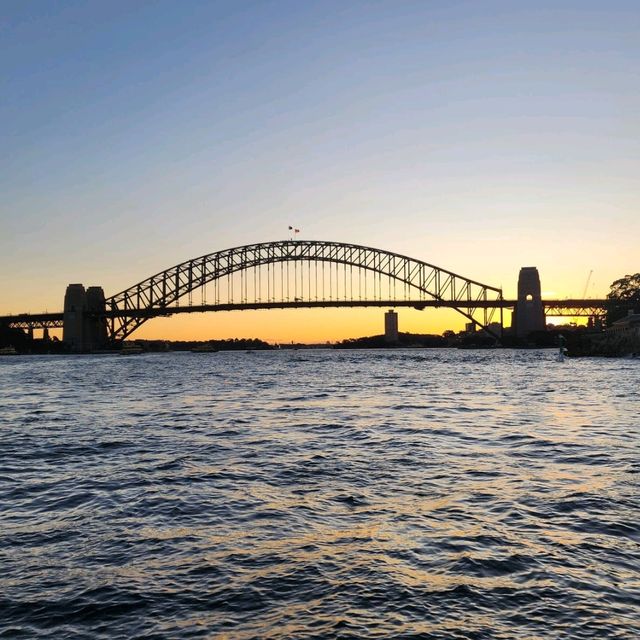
(565, 308)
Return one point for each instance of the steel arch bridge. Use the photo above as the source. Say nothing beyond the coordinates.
(299, 273)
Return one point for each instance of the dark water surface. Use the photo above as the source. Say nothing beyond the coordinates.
(325, 494)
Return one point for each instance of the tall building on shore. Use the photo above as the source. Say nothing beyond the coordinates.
(391, 327)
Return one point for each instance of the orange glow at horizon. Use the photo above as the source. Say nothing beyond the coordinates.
(297, 325)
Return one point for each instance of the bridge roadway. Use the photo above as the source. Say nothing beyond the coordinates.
(553, 308)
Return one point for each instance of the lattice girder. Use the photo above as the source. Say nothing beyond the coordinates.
(167, 287)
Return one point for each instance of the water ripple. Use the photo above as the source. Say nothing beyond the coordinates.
(395, 494)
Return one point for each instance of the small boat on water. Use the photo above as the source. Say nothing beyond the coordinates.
(8, 351)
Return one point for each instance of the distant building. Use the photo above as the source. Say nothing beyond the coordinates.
(391, 327)
(628, 326)
(494, 328)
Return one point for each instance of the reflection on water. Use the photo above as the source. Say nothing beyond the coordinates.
(318, 494)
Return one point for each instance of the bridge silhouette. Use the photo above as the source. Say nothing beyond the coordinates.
(292, 274)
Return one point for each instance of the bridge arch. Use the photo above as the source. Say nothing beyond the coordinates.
(155, 295)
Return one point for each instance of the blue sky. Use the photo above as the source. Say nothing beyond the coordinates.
(479, 136)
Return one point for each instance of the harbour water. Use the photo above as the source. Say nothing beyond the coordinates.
(433, 494)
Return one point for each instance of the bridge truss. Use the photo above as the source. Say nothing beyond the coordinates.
(32, 321)
(594, 308)
(300, 273)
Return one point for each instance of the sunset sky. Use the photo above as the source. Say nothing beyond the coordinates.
(478, 136)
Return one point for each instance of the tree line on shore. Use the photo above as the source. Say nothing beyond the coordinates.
(623, 296)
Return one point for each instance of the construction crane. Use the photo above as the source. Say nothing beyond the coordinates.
(586, 286)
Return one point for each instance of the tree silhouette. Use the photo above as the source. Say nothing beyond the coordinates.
(623, 296)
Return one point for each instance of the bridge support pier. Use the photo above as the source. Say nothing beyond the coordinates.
(529, 311)
(84, 328)
(95, 324)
